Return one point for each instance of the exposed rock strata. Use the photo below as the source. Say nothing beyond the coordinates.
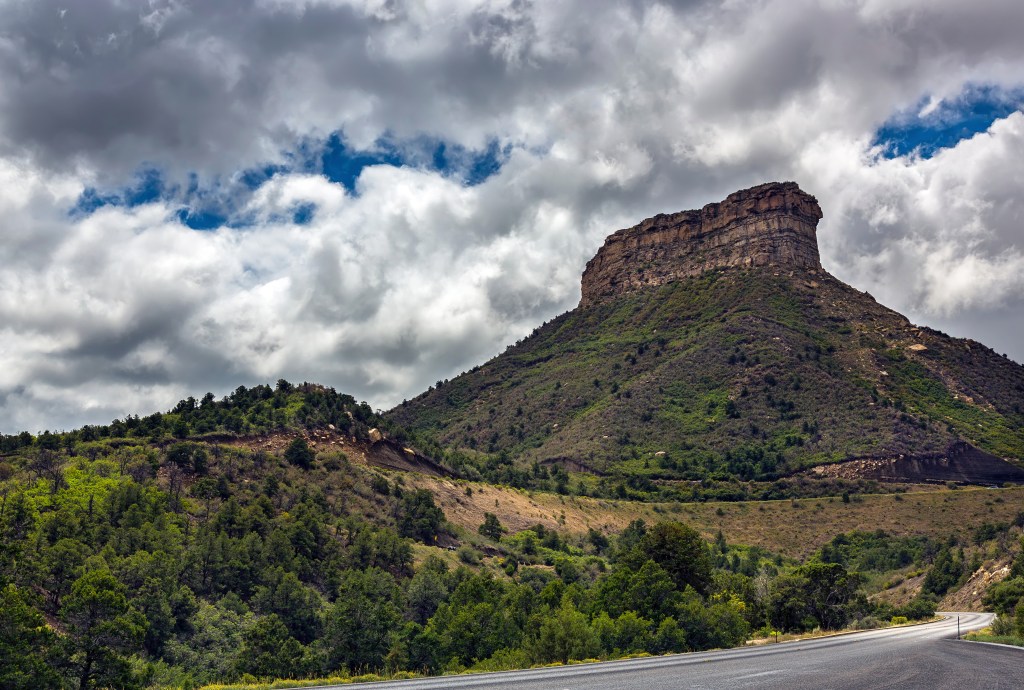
(772, 224)
(960, 462)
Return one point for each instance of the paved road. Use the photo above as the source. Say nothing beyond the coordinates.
(924, 656)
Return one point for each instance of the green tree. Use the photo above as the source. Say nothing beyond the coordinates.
(815, 594)
(420, 647)
(418, 517)
(61, 564)
(598, 540)
(1017, 569)
(717, 623)
(268, 651)
(624, 635)
(1003, 597)
(299, 454)
(831, 591)
(208, 650)
(788, 608)
(49, 466)
(491, 527)
(380, 548)
(188, 456)
(682, 552)
(648, 591)
(361, 626)
(296, 605)
(945, 572)
(26, 644)
(180, 428)
(669, 638)
(565, 635)
(480, 617)
(101, 629)
(426, 590)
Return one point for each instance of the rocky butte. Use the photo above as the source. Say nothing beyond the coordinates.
(711, 345)
(772, 224)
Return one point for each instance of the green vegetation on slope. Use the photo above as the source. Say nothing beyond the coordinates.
(130, 561)
(732, 375)
(1007, 600)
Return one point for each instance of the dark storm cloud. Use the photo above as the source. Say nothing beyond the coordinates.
(214, 87)
(179, 84)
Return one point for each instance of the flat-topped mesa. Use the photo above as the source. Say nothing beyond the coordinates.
(772, 224)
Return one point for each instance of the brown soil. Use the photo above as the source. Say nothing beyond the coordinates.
(383, 453)
(968, 597)
(791, 528)
(903, 593)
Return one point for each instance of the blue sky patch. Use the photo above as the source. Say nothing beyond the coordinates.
(207, 207)
(148, 187)
(340, 163)
(948, 123)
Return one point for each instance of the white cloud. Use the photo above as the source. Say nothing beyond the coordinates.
(933, 237)
(614, 111)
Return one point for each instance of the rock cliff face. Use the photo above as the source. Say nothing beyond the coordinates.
(772, 224)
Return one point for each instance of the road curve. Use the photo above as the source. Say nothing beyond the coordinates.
(922, 656)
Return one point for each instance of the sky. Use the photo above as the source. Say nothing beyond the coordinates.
(380, 194)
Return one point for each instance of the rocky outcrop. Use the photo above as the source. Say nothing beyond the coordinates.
(772, 224)
(960, 462)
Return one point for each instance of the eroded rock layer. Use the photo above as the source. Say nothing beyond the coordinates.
(772, 224)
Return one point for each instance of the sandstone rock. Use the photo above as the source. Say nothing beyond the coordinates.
(917, 347)
(772, 224)
(375, 435)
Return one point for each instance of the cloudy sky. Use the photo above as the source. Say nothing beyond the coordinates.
(377, 194)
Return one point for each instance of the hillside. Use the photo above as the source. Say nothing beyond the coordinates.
(275, 533)
(174, 552)
(739, 370)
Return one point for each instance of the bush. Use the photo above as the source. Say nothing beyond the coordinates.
(919, 608)
(491, 527)
(299, 454)
(899, 620)
(469, 555)
(1003, 625)
(418, 517)
(380, 485)
(504, 660)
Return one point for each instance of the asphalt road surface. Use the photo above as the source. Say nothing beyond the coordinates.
(923, 656)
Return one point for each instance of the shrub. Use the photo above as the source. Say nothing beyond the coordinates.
(491, 527)
(380, 485)
(469, 555)
(299, 454)
(418, 517)
(1002, 625)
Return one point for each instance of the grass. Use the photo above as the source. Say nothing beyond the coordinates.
(985, 635)
(792, 528)
(779, 638)
(285, 683)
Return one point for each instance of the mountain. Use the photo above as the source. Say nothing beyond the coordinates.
(712, 345)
